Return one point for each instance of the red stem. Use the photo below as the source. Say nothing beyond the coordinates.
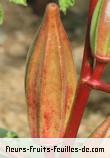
(98, 85)
(98, 71)
(83, 90)
(77, 111)
(86, 85)
(95, 82)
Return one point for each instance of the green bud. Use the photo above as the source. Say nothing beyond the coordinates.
(100, 31)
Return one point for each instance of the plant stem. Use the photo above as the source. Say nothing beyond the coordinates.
(98, 85)
(95, 82)
(85, 87)
(83, 90)
(98, 71)
(78, 110)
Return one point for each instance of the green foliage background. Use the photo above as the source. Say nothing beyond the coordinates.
(65, 4)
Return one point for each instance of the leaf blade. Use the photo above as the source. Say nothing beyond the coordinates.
(65, 4)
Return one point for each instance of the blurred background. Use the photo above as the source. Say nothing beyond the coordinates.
(16, 35)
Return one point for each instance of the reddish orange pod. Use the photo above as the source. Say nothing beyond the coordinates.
(100, 31)
(50, 78)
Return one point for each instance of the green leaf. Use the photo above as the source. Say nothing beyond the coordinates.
(7, 134)
(65, 4)
(21, 2)
(1, 14)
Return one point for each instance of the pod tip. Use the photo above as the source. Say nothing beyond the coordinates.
(52, 7)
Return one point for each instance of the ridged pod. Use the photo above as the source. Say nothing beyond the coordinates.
(50, 78)
(100, 31)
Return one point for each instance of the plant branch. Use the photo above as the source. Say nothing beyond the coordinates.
(95, 82)
(83, 90)
(98, 85)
